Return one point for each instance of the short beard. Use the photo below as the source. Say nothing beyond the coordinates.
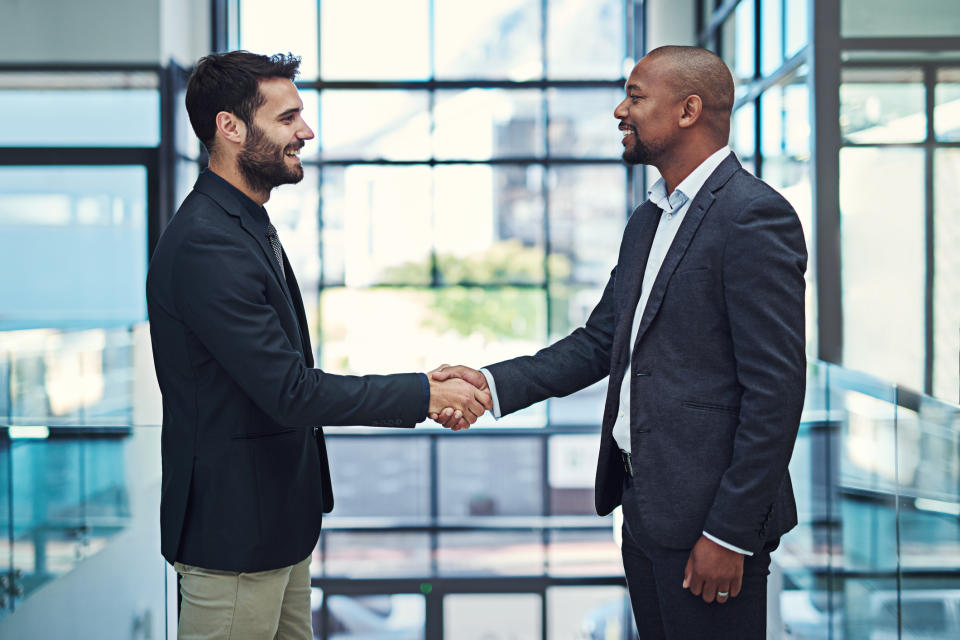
(641, 153)
(262, 163)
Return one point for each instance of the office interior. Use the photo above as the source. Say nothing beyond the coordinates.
(463, 202)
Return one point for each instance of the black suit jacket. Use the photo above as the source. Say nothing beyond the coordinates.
(245, 475)
(718, 368)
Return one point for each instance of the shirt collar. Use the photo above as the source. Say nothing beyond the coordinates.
(690, 186)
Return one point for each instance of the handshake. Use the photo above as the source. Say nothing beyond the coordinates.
(458, 396)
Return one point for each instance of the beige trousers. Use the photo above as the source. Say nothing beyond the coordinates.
(227, 605)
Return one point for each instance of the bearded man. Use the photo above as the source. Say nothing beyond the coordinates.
(245, 473)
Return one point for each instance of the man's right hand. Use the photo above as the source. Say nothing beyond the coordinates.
(457, 398)
(448, 416)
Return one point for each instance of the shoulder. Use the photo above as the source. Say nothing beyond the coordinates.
(745, 190)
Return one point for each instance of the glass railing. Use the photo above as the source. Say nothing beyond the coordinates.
(441, 536)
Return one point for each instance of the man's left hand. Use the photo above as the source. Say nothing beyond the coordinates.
(713, 572)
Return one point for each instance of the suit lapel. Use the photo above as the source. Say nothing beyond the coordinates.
(691, 222)
(294, 290)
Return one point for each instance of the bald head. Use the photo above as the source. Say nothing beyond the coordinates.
(696, 71)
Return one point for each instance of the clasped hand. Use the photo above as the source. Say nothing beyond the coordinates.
(458, 396)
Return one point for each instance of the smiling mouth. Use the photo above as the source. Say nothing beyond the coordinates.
(626, 131)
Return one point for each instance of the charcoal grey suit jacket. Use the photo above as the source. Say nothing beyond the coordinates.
(717, 374)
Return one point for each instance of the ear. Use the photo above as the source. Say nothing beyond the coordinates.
(690, 110)
(231, 128)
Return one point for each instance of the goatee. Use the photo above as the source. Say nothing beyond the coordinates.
(640, 153)
(263, 165)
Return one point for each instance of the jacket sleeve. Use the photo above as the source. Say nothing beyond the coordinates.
(221, 298)
(763, 265)
(566, 366)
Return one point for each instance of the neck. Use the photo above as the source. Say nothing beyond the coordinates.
(681, 164)
(228, 170)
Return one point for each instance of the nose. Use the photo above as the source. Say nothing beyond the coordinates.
(621, 111)
(306, 133)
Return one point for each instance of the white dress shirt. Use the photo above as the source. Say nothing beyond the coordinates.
(674, 206)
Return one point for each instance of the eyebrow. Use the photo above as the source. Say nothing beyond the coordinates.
(633, 87)
(289, 112)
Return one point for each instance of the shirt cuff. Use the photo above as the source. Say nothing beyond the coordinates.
(493, 393)
(726, 545)
(425, 385)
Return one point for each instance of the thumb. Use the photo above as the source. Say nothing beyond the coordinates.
(440, 374)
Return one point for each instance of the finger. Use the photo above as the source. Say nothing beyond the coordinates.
(709, 591)
(736, 585)
(462, 425)
(472, 376)
(434, 416)
(723, 590)
(475, 408)
(441, 373)
(484, 398)
(688, 572)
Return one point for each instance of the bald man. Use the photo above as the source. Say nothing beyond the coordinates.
(701, 332)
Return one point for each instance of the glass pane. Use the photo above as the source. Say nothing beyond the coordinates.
(376, 225)
(867, 608)
(771, 54)
(883, 262)
(395, 44)
(582, 123)
(585, 39)
(499, 39)
(348, 554)
(946, 281)
(587, 553)
(797, 26)
(739, 42)
(946, 112)
(575, 613)
(51, 215)
(374, 124)
(502, 206)
(80, 118)
(473, 326)
(572, 469)
(478, 124)
(265, 29)
(403, 476)
(743, 135)
(482, 616)
(365, 617)
(472, 481)
(863, 18)
(882, 105)
(587, 215)
(490, 553)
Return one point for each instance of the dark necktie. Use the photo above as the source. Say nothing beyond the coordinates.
(275, 244)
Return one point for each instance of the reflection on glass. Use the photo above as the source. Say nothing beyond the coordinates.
(883, 262)
(582, 123)
(739, 42)
(498, 39)
(395, 41)
(265, 29)
(864, 18)
(486, 616)
(374, 124)
(452, 324)
(472, 481)
(584, 553)
(946, 280)
(946, 111)
(49, 216)
(587, 216)
(588, 613)
(585, 38)
(403, 476)
(350, 554)
(479, 124)
(400, 615)
(882, 105)
(80, 117)
(376, 224)
(490, 553)
(502, 207)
